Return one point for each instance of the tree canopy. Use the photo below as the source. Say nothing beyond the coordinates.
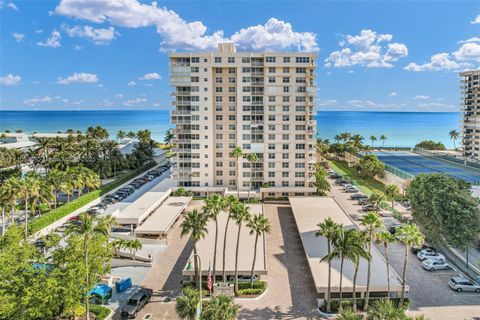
(369, 166)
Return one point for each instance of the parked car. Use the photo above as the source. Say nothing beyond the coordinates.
(393, 228)
(358, 196)
(351, 189)
(110, 199)
(370, 207)
(136, 302)
(433, 265)
(416, 249)
(460, 283)
(136, 185)
(96, 210)
(363, 201)
(429, 254)
(246, 278)
(334, 175)
(102, 205)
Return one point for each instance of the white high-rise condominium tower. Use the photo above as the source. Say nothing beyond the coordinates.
(470, 90)
(262, 102)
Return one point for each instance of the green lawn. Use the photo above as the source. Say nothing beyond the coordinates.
(367, 187)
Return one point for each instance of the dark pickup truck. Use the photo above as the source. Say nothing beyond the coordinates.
(136, 302)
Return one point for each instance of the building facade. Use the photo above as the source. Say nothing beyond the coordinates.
(260, 102)
(470, 97)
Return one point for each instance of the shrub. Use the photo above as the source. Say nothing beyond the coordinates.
(57, 214)
(249, 292)
(430, 145)
(349, 314)
(100, 312)
(256, 285)
(348, 303)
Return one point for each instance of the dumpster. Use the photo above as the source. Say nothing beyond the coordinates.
(123, 284)
(100, 294)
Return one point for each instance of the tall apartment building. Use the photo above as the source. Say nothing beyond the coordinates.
(260, 102)
(470, 89)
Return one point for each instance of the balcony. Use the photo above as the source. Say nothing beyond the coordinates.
(180, 113)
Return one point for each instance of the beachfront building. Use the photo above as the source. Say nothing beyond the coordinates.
(262, 102)
(470, 97)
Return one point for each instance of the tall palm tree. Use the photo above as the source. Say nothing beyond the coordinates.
(43, 148)
(409, 235)
(357, 141)
(134, 245)
(344, 247)
(121, 134)
(240, 214)
(371, 221)
(383, 138)
(214, 204)
(56, 179)
(29, 188)
(251, 157)
(131, 135)
(220, 307)
(328, 229)
(259, 225)
(195, 224)
(373, 139)
(230, 203)
(88, 228)
(359, 251)
(392, 191)
(4, 195)
(454, 135)
(12, 186)
(237, 154)
(385, 238)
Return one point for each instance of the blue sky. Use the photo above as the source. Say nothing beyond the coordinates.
(100, 54)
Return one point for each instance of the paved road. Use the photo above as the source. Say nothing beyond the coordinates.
(429, 292)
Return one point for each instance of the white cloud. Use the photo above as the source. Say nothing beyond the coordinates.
(420, 97)
(393, 94)
(106, 103)
(36, 100)
(53, 41)
(177, 33)
(476, 20)
(12, 6)
(18, 36)
(150, 76)
(473, 39)
(119, 95)
(38, 31)
(81, 77)
(10, 80)
(98, 36)
(437, 106)
(438, 62)
(326, 103)
(367, 49)
(134, 102)
(468, 52)
(131, 83)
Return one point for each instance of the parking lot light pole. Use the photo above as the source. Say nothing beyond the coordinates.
(198, 313)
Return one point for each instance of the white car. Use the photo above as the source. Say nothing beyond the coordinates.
(429, 254)
(461, 283)
(433, 265)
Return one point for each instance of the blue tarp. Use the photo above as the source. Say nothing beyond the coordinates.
(123, 284)
(101, 290)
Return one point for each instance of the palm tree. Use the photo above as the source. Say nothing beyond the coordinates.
(409, 235)
(131, 135)
(134, 245)
(328, 229)
(214, 204)
(349, 314)
(385, 310)
(385, 238)
(12, 189)
(4, 195)
(195, 224)
(251, 157)
(240, 214)
(238, 153)
(259, 225)
(169, 136)
(28, 188)
(359, 251)
(371, 221)
(373, 139)
(230, 203)
(43, 147)
(117, 245)
(383, 138)
(186, 306)
(392, 191)
(56, 179)
(88, 228)
(321, 184)
(454, 135)
(344, 247)
(121, 134)
(357, 141)
(220, 307)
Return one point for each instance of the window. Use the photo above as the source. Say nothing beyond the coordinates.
(286, 70)
(301, 70)
(218, 70)
(219, 117)
(286, 59)
(284, 183)
(219, 99)
(270, 59)
(218, 60)
(299, 183)
(194, 69)
(231, 70)
(231, 59)
(271, 79)
(286, 99)
(245, 59)
(271, 127)
(286, 108)
(271, 108)
(195, 79)
(271, 146)
(285, 146)
(286, 89)
(285, 118)
(301, 80)
(302, 59)
(195, 59)
(218, 89)
(246, 69)
(271, 174)
(246, 79)
(285, 136)
(285, 127)
(218, 80)
(300, 146)
(286, 80)
(285, 174)
(232, 80)
(271, 69)
(285, 156)
(271, 98)
(271, 165)
(231, 89)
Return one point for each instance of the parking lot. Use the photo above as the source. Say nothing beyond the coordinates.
(429, 291)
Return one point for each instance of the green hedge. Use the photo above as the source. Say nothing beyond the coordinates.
(256, 285)
(249, 292)
(100, 312)
(56, 214)
(348, 303)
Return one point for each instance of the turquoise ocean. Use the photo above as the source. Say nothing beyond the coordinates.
(401, 128)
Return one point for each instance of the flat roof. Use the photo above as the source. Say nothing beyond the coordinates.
(205, 247)
(18, 144)
(308, 212)
(141, 208)
(163, 218)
